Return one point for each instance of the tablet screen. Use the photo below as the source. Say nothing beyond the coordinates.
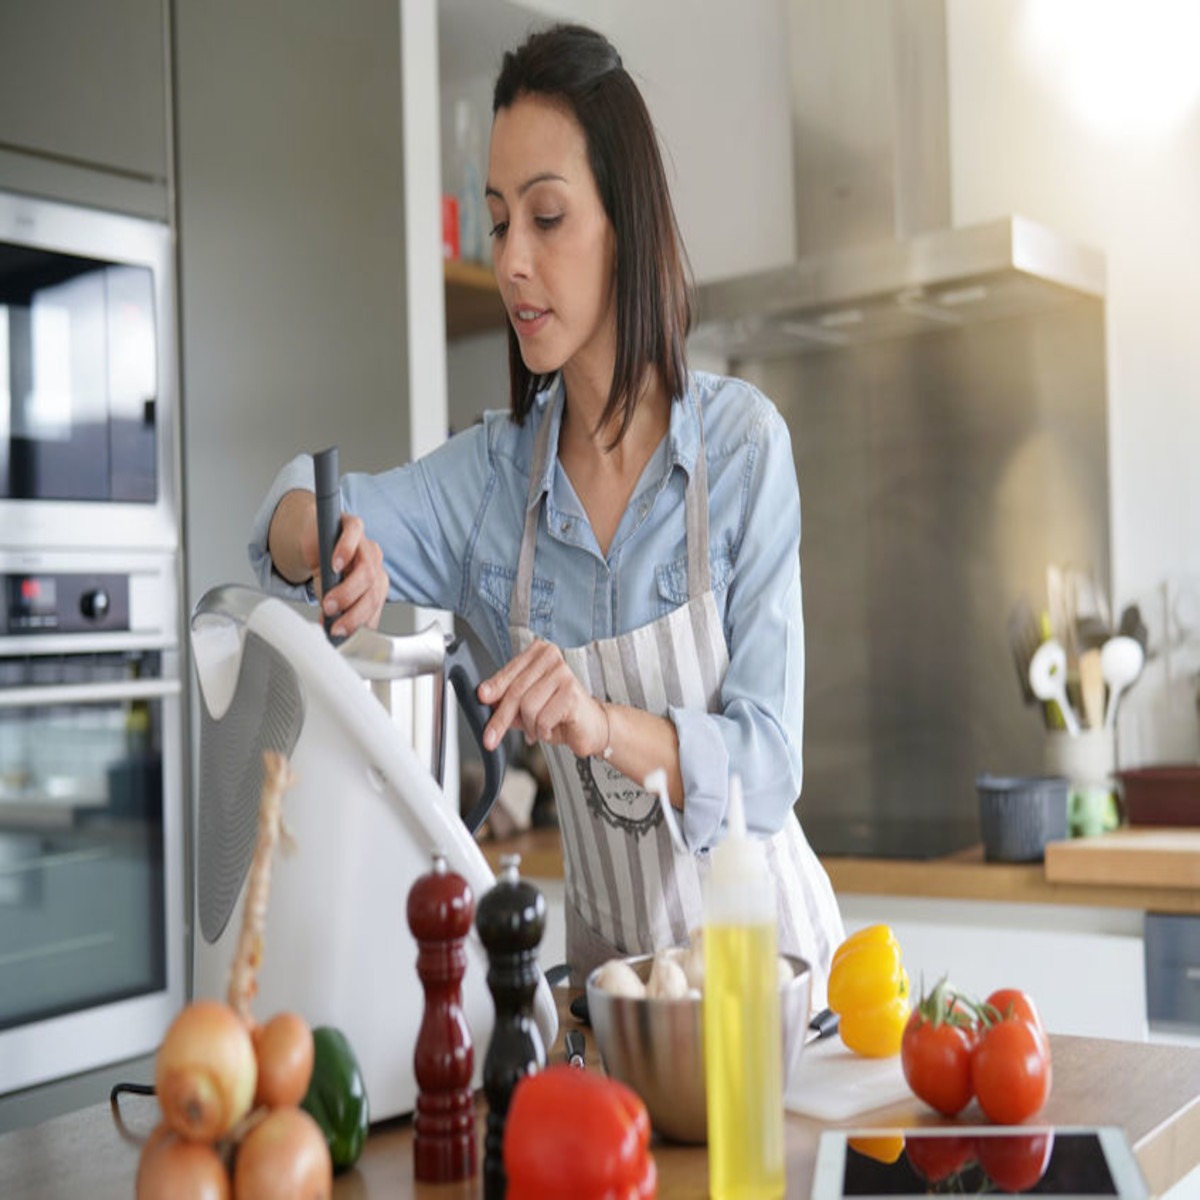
(1076, 1162)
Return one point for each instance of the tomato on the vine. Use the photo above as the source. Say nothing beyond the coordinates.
(936, 1049)
(1011, 1002)
(1010, 1070)
(1015, 1162)
(936, 1158)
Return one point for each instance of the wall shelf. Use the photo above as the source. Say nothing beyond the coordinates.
(473, 303)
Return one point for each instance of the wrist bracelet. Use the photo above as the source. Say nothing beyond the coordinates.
(607, 731)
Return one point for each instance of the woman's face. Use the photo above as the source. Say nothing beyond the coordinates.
(553, 246)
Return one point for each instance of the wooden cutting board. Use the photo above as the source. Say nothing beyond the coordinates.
(1143, 857)
(832, 1083)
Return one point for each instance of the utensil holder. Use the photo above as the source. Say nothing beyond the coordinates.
(1088, 761)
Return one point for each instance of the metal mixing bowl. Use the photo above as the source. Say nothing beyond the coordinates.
(656, 1047)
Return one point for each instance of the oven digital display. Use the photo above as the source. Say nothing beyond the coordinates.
(32, 602)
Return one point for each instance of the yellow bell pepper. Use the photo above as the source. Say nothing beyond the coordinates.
(884, 1148)
(868, 989)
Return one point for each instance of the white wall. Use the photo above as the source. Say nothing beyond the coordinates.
(1085, 115)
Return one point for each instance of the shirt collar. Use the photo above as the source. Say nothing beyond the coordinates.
(683, 434)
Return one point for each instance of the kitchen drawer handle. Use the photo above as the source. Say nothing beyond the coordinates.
(1192, 974)
(89, 693)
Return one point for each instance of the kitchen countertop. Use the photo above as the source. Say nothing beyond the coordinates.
(1157, 1104)
(1157, 870)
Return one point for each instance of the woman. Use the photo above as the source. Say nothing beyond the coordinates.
(626, 540)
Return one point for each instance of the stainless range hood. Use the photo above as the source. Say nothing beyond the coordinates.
(930, 281)
(878, 257)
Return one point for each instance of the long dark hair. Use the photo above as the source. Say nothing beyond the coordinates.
(582, 69)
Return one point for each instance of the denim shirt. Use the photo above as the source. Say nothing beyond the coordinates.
(450, 528)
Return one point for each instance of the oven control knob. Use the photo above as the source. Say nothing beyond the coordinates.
(94, 604)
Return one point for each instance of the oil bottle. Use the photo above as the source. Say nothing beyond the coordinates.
(743, 1051)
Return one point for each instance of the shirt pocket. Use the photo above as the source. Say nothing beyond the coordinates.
(672, 580)
(496, 588)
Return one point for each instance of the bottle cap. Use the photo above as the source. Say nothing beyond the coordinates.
(740, 879)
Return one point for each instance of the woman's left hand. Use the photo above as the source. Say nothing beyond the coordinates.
(538, 693)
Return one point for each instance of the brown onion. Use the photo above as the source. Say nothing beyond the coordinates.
(284, 1157)
(284, 1048)
(206, 1072)
(172, 1168)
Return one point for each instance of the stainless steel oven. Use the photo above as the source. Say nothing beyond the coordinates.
(87, 378)
(92, 943)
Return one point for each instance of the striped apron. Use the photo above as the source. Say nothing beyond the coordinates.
(632, 887)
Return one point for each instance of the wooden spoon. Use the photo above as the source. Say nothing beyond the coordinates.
(1091, 687)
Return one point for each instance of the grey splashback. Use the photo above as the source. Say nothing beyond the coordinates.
(938, 476)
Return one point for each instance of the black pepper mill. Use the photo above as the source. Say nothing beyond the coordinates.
(511, 919)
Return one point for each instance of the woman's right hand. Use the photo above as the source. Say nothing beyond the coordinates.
(360, 596)
(292, 541)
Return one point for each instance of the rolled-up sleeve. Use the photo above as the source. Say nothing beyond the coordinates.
(758, 731)
(295, 476)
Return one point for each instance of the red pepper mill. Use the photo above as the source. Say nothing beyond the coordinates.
(440, 909)
(511, 921)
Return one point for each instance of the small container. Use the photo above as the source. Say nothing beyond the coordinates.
(1019, 814)
(1162, 795)
(1088, 761)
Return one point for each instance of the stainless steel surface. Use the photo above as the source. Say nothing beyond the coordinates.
(938, 476)
(91, 813)
(373, 654)
(876, 256)
(108, 237)
(946, 279)
(656, 1047)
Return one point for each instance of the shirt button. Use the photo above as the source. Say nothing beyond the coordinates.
(566, 526)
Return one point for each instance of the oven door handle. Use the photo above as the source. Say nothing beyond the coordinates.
(89, 693)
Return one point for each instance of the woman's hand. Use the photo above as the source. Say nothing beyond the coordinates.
(360, 596)
(538, 693)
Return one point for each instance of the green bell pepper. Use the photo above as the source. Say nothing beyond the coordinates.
(337, 1097)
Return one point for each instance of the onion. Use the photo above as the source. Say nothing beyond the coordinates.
(284, 1157)
(205, 1073)
(172, 1168)
(284, 1048)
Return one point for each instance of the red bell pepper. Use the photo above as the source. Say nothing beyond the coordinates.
(577, 1135)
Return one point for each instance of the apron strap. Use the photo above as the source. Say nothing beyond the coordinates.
(696, 509)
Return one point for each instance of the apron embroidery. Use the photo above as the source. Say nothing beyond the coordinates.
(615, 798)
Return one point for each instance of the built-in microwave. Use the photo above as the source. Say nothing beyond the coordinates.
(87, 378)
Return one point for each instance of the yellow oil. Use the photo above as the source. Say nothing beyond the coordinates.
(743, 1062)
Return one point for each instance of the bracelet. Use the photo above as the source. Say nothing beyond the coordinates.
(607, 731)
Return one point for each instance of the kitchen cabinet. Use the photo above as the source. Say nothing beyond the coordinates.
(473, 303)
(84, 111)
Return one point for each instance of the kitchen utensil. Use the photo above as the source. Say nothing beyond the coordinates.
(1133, 626)
(1048, 678)
(1024, 637)
(1091, 687)
(574, 1047)
(327, 480)
(366, 815)
(823, 1025)
(656, 1046)
(1018, 815)
(1121, 659)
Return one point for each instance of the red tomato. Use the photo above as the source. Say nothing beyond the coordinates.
(936, 1058)
(1012, 1002)
(1015, 1162)
(1010, 1071)
(936, 1158)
